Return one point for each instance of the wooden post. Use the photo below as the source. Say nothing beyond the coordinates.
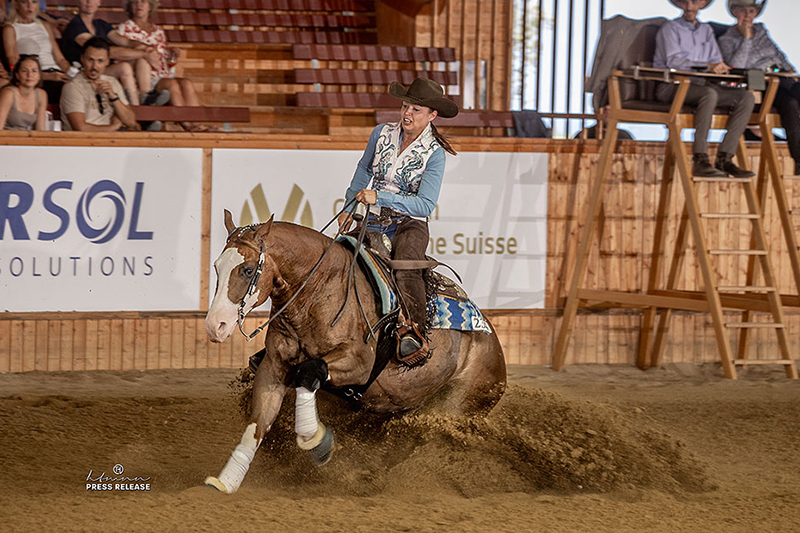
(664, 199)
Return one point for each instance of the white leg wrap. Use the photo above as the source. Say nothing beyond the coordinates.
(306, 421)
(232, 475)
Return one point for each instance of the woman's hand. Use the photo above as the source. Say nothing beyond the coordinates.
(345, 220)
(367, 196)
(719, 68)
(746, 29)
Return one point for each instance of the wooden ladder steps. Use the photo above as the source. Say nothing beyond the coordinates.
(754, 325)
(729, 215)
(721, 180)
(737, 252)
(763, 362)
(744, 288)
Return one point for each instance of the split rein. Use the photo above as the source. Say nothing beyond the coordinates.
(352, 205)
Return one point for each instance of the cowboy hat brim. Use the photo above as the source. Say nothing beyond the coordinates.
(675, 3)
(445, 107)
(734, 3)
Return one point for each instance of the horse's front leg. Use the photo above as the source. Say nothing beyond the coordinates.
(268, 392)
(341, 367)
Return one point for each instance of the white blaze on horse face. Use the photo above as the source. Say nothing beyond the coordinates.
(222, 315)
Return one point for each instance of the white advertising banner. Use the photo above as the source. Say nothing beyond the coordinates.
(99, 229)
(490, 224)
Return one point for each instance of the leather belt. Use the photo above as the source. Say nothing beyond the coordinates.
(384, 215)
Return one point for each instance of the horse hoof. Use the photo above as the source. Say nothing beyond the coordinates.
(214, 483)
(320, 446)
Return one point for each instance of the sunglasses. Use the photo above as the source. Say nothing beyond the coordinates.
(100, 103)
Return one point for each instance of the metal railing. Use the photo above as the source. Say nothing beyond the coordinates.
(553, 49)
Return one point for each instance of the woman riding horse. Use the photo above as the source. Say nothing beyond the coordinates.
(314, 340)
(405, 161)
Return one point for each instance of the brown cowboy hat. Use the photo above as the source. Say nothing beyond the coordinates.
(423, 91)
(675, 3)
(758, 4)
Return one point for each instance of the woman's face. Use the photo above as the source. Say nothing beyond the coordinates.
(745, 15)
(88, 7)
(27, 9)
(28, 73)
(140, 8)
(414, 118)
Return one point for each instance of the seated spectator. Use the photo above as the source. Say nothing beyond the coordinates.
(57, 24)
(93, 101)
(748, 45)
(685, 44)
(23, 105)
(127, 56)
(139, 28)
(23, 33)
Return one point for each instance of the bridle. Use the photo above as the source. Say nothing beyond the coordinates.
(251, 288)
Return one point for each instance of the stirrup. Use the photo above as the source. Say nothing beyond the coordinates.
(412, 346)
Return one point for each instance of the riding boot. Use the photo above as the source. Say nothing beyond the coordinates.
(409, 243)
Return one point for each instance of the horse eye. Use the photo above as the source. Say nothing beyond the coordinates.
(247, 270)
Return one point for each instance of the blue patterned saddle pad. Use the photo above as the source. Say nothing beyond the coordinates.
(450, 309)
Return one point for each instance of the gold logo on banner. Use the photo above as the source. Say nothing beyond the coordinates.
(291, 212)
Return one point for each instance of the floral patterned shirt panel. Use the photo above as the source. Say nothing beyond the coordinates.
(401, 173)
(157, 38)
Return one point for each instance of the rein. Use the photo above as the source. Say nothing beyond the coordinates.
(259, 268)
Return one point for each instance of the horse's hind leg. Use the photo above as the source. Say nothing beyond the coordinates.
(480, 379)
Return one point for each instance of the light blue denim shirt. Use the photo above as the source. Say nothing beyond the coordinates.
(421, 205)
(681, 45)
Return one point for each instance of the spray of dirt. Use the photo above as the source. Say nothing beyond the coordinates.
(533, 441)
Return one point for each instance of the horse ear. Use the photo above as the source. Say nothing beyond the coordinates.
(229, 225)
(263, 229)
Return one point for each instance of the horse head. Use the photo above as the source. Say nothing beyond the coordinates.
(246, 277)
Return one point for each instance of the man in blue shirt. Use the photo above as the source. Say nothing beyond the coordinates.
(687, 44)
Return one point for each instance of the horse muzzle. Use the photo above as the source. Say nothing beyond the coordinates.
(218, 328)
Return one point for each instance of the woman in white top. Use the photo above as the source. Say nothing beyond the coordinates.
(23, 33)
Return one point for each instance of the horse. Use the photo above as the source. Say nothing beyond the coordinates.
(466, 373)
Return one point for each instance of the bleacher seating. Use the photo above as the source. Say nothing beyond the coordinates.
(370, 77)
(403, 54)
(255, 21)
(467, 122)
(297, 65)
(358, 76)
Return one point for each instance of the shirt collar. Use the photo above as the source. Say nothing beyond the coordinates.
(688, 25)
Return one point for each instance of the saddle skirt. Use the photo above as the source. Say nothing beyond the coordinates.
(448, 306)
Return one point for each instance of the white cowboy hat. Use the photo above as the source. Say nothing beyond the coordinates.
(675, 3)
(758, 4)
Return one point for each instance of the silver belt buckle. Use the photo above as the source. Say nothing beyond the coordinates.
(385, 217)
